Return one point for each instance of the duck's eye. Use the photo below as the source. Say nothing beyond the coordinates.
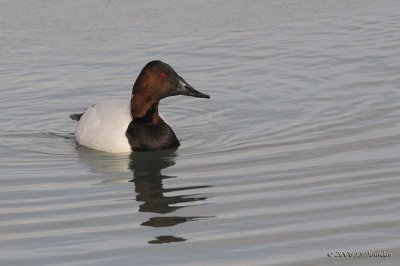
(163, 75)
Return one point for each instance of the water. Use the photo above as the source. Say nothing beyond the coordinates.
(296, 154)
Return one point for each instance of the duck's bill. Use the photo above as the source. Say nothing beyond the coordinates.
(185, 89)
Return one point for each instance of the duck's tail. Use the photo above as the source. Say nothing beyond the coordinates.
(76, 116)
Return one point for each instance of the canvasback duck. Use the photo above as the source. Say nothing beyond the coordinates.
(119, 126)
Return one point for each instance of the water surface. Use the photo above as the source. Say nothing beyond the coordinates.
(296, 154)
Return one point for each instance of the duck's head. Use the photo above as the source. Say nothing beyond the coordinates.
(158, 80)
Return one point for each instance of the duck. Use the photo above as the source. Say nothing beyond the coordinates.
(118, 126)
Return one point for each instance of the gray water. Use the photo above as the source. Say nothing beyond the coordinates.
(295, 156)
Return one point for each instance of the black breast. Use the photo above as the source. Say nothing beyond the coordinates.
(149, 137)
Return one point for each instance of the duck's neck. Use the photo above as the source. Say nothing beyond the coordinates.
(147, 131)
(144, 109)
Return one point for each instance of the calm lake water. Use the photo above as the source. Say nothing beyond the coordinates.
(296, 155)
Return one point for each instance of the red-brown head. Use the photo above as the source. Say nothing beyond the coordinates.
(156, 81)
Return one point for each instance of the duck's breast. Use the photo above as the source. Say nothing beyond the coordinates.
(103, 126)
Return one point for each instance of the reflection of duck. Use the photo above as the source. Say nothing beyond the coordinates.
(105, 163)
(148, 180)
(149, 188)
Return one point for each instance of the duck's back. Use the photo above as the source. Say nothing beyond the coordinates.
(103, 126)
